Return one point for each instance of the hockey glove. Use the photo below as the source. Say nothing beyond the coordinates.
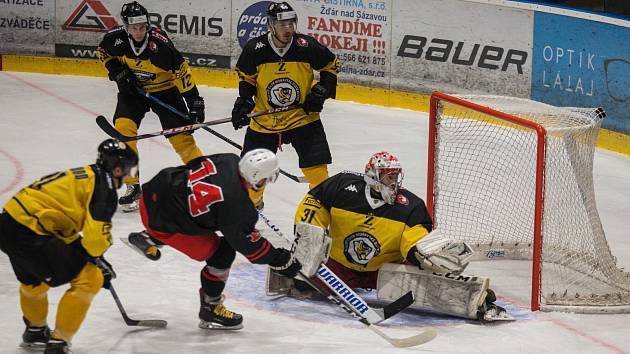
(285, 264)
(126, 81)
(196, 109)
(107, 270)
(242, 107)
(314, 101)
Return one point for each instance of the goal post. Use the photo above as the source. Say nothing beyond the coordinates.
(513, 178)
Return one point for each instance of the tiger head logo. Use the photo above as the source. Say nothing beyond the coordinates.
(361, 249)
(283, 95)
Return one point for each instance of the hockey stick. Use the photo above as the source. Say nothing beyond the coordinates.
(343, 296)
(132, 322)
(299, 179)
(418, 339)
(111, 131)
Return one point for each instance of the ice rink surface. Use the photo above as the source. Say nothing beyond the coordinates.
(47, 124)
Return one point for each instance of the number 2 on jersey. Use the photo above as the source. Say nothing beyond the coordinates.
(203, 194)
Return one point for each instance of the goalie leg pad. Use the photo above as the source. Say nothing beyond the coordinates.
(456, 295)
(311, 247)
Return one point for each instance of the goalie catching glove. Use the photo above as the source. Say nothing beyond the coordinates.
(437, 254)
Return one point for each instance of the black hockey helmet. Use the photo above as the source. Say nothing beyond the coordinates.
(113, 153)
(279, 11)
(133, 13)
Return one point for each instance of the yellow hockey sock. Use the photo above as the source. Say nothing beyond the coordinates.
(315, 175)
(76, 301)
(128, 127)
(34, 303)
(256, 196)
(185, 146)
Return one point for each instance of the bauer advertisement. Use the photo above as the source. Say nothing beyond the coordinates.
(587, 64)
(27, 27)
(458, 46)
(199, 29)
(357, 32)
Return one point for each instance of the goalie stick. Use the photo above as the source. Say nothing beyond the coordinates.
(343, 296)
(299, 179)
(132, 322)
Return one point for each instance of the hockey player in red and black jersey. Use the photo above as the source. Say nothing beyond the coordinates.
(376, 227)
(186, 206)
(138, 55)
(276, 70)
(55, 231)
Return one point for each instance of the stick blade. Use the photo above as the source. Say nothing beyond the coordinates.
(152, 323)
(418, 339)
(102, 123)
(400, 304)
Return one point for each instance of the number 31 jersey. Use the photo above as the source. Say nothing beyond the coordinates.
(363, 237)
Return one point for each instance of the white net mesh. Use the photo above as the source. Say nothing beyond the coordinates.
(484, 193)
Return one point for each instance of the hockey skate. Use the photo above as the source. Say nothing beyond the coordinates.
(57, 346)
(129, 201)
(213, 315)
(34, 337)
(144, 244)
(491, 312)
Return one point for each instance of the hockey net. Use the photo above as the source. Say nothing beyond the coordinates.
(514, 178)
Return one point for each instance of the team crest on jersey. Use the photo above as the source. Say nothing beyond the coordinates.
(153, 47)
(144, 76)
(401, 199)
(302, 42)
(283, 92)
(360, 247)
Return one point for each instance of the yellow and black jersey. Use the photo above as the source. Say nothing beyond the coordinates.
(284, 81)
(65, 203)
(364, 238)
(158, 67)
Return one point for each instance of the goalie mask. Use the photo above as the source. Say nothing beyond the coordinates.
(259, 167)
(384, 175)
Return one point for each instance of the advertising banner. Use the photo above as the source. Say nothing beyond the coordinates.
(357, 31)
(27, 27)
(198, 28)
(582, 63)
(461, 47)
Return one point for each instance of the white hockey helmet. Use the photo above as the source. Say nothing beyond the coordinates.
(259, 167)
(383, 173)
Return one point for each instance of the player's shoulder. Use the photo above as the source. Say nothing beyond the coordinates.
(115, 38)
(257, 44)
(407, 198)
(159, 35)
(347, 181)
(224, 157)
(307, 42)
